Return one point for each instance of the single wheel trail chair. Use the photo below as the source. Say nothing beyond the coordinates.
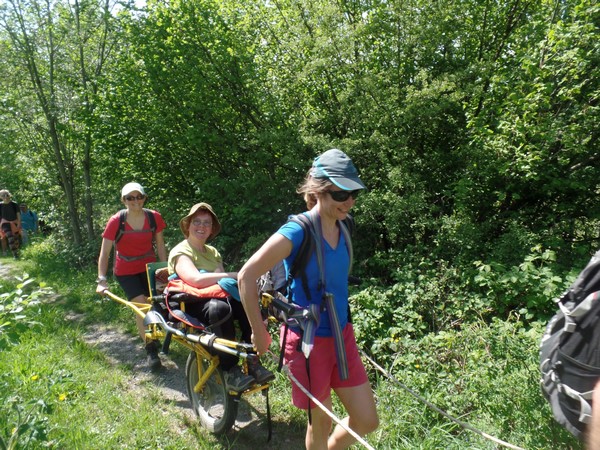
(165, 319)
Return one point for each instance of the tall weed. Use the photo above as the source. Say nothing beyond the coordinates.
(18, 309)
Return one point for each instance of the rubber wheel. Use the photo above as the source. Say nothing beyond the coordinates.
(216, 409)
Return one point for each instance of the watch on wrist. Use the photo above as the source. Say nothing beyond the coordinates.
(100, 279)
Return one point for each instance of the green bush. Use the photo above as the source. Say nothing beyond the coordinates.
(434, 296)
(18, 309)
(527, 288)
(427, 296)
(485, 375)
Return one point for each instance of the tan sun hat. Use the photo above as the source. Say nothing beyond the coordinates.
(184, 223)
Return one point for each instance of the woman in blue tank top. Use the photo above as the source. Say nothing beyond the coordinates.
(322, 356)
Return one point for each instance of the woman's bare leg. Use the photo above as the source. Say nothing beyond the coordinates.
(362, 415)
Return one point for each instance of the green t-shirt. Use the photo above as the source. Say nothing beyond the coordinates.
(208, 260)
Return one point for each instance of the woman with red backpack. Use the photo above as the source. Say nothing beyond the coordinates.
(133, 231)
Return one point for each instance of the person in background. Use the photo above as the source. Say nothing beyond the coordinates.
(330, 190)
(29, 222)
(10, 223)
(200, 265)
(133, 251)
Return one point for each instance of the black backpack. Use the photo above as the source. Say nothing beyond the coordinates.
(123, 219)
(570, 351)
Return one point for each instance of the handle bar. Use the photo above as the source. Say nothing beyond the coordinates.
(291, 313)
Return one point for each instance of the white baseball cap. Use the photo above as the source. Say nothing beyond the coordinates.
(132, 187)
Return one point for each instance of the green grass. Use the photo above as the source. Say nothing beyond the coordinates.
(58, 391)
(89, 402)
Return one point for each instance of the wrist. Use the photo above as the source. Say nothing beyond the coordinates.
(101, 279)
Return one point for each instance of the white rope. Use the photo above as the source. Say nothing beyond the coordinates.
(435, 408)
(324, 408)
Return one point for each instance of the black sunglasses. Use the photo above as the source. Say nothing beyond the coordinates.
(342, 196)
(131, 198)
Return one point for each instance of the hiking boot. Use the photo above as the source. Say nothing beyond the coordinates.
(153, 359)
(261, 374)
(236, 380)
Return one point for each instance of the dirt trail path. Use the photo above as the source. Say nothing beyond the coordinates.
(124, 349)
(250, 429)
(4, 271)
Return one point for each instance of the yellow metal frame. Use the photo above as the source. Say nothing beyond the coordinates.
(155, 332)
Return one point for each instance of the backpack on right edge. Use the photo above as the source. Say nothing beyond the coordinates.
(570, 351)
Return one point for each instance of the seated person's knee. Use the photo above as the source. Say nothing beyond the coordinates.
(220, 319)
(217, 310)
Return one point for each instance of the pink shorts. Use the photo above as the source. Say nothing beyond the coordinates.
(323, 366)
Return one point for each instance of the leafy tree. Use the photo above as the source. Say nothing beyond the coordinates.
(186, 115)
(538, 160)
(472, 122)
(59, 50)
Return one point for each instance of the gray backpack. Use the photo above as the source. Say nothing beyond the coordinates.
(570, 351)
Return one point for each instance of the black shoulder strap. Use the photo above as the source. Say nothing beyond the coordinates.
(350, 225)
(122, 220)
(347, 228)
(306, 246)
(306, 249)
(151, 220)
